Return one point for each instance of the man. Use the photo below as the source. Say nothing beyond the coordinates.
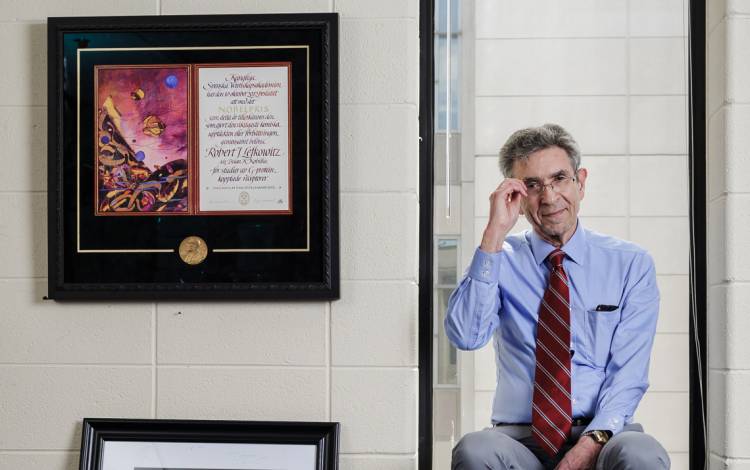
(573, 315)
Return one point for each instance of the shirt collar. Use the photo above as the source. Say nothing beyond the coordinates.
(575, 248)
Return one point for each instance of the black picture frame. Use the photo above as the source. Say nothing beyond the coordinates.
(194, 444)
(291, 254)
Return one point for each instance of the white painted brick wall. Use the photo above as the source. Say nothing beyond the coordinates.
(728, 294)
(614, 74)
(354, 360)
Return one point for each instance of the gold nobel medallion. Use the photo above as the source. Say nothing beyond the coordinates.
(193, 250)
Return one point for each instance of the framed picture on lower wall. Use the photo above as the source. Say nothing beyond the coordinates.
(138, 444)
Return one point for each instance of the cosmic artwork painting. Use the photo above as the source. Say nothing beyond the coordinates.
(142, 140)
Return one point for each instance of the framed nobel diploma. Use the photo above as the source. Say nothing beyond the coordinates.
(151, 444)
(193, 157)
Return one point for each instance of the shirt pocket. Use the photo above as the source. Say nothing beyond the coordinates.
(599, 329)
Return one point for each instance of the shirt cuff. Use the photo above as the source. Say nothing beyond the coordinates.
(603, 421)
(485, 266)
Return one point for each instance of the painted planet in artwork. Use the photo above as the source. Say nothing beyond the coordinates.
(140, 156)
(171, 81)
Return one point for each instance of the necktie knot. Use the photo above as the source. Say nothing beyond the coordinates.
(556, 258)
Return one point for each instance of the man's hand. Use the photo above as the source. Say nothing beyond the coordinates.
(505, 205)
(582, 456)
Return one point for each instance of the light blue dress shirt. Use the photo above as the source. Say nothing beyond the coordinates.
(500, 295)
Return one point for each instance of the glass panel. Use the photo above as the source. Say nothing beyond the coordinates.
(440, 64)
(495, 60)
(446, 357)
(447, 262)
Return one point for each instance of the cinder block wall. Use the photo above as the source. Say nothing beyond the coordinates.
(353, 360)
(614, 74)
(728, 116)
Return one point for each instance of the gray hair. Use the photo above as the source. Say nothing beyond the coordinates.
(524, 142)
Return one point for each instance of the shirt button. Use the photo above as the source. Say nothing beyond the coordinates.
(486, 263)
(485, 273)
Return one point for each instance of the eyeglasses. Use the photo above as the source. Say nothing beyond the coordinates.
(559, 182)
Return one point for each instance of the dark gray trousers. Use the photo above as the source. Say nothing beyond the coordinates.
(508, 447)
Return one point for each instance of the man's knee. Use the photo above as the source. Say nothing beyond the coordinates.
(473, 450)
(482, 450)
(631, 450)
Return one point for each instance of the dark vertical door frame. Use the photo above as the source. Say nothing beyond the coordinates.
(698, 278)
(426, 133)
(697, 177)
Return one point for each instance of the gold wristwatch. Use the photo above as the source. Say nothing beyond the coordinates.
(600, 437)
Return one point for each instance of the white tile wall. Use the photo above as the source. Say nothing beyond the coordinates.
(715, 231)
(717, 174)
(378, 409)
(728, 345)
(23, 131)
(679, 460)
(46, 461)
(487, 177)
(674, 304)
(718, 418)
(370, 315)
(237, 333)
(737, 414)
(390, 47)
(729, 381)
(197, 7)
(365, 462)
(657, 66)
(43, 406)
(27, 85)
(653, 411)
(716, 68)
(715, 12)
(738, 324)
(374, 149)
(381, 9)
(667, 239)
(243, 393)
(668, 370)
(44, 331)
(736, 237)
(599, 123)
(738, 32)
(20, 10)
(717, 328)
(576, 18)
(659, 185)
(656, 18)
(23, 229)
(614, 226)
(606, 186)
(379, 240)
(717, 463)
(658, 125)
(570, 66)
(60, 362)
(736, 170)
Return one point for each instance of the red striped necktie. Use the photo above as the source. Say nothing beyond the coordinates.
(551, 415)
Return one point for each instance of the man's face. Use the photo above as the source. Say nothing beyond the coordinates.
(552, 213)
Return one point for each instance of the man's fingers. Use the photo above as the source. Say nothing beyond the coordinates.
(508, 188)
